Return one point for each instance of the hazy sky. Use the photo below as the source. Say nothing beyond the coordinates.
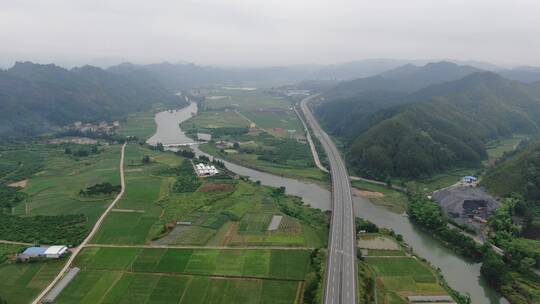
(268, 32)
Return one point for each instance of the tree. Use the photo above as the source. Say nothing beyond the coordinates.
(494, 269)
(67, 151)
(146, 159)
(159, 147)
(527, 263)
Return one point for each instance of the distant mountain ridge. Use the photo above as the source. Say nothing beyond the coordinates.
(407, 79)
(35, 97)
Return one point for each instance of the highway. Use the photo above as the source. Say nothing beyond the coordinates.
(341, 278)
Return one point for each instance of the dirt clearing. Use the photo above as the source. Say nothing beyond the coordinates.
(211, 187)
(20, 184)
(367, 194)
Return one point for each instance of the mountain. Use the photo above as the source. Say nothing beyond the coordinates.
(407, 79)
(439, 127)
(182, 76)
(522, 74)
(35, 97)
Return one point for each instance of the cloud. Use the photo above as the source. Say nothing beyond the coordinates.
(241, 32)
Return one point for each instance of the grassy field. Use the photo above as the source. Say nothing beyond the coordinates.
(22, 282)
(442, 180)
(54, 190)
(393, 200)
(496, 149)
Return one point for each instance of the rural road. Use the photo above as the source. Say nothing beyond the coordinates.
(76, 250)
(340, 282)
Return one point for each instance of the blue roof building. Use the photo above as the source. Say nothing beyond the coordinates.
(35, 251)
(469, 179)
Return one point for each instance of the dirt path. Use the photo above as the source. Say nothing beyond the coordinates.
(199, 247)
(311, 144)
(75, 251)
(15, 243)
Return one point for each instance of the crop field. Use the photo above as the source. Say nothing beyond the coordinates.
(22, 282)
(91, 286)
(143, 190)
(399, 276)
(18, 162)
(406, 266)
(54, 190)
(253, 263)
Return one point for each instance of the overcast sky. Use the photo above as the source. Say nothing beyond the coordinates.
(268, 32)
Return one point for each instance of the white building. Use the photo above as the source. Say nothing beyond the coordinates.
(205, 170)
(55, 251)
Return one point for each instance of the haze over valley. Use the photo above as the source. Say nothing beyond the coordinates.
(270, 152)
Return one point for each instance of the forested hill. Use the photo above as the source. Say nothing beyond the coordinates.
(34, 97)
(407, 78)
(517, 173)
(438, 127)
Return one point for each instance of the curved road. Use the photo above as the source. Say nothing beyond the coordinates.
(340, 281)
(78, 249)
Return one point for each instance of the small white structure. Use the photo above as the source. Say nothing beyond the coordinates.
(55, 252)
(205, 170)
(204, 136)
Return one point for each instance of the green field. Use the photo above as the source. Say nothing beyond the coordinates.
(141, 275)
(54, 190)
(93, 286)
(255, 263)
(143, 190)
(442, 180)
(140, 124)
(22, 282)
(392, 275)
(401, 266)
(496, 149)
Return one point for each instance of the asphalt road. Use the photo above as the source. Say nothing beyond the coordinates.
(340, 281)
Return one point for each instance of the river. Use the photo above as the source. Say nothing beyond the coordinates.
(461, 274)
